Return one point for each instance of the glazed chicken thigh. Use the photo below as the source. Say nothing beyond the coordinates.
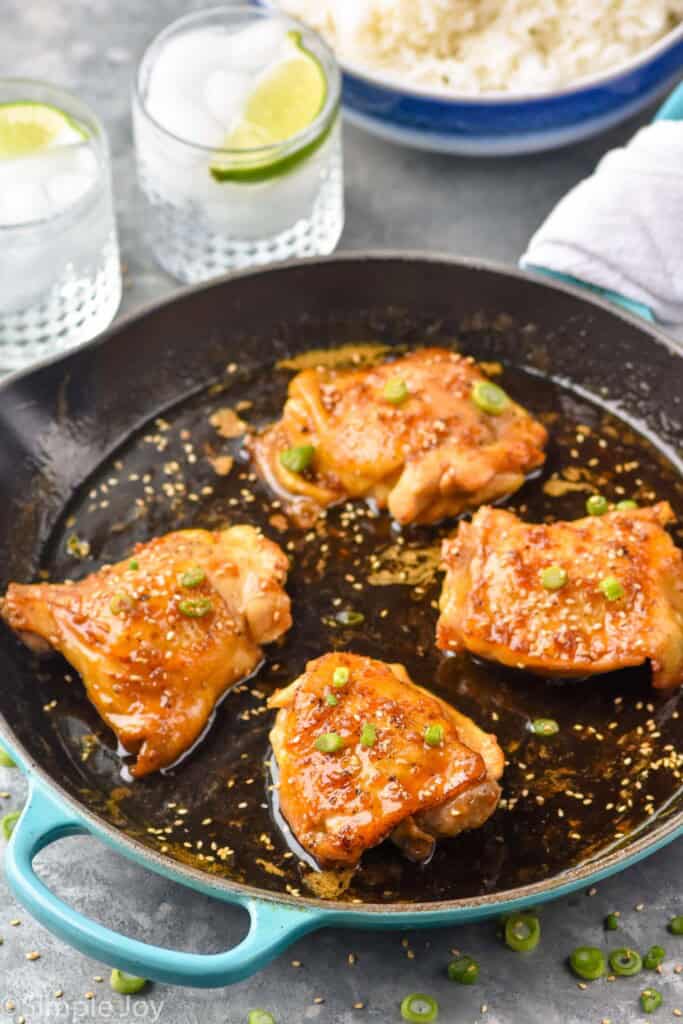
(364, 754)
(425, 435)
(158, 638)
(567, 599)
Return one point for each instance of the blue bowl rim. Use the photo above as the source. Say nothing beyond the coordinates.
(609, 76)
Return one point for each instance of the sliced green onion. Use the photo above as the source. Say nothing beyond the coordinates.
(340, 676)
(260, 1017)
(626, 505)
(650, 1000)
(133, 565)
(654, 957)
(121, 603)
(625, 962)
(195, 607)
(596, 505)
(676, 925)
(587, 962)
(396, 391)
(126, 984)
(611, 923)
(350, 618)
(77, 547)
(488, 397)
(297, 459)
(554, 577)
(464, 970)
(192, 577)
(331, 700)
(8, 822)
(368, 735)
(5, 760)
(522, 932)
(545, 726)
(612, 588)
(418, 1008)
(329, 743)
(433, 735)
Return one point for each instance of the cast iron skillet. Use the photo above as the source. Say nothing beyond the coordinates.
(112, 444)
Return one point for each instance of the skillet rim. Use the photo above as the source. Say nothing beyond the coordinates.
(223, 887)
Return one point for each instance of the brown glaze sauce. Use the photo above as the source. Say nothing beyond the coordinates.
(616, 763)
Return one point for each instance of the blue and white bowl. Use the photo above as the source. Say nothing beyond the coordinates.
(500, 124)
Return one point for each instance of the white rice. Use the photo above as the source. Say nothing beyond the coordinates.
(481, 46)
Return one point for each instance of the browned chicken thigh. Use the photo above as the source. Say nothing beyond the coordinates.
(364, 754)
(412, 434)
(159, 637)
(567, 599)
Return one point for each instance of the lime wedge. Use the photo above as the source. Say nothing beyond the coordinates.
(286, 99)
(29, 128)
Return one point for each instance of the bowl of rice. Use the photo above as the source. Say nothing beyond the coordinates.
(496, 77)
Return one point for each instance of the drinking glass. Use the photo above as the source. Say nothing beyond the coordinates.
(212, 207)
(60, 275)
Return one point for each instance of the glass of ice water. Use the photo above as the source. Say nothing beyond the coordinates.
(238, 141)
(60, 276)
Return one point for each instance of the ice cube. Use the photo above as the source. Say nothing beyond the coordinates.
(183, 64)
(70, 172)
(46, 183)
(66, 189)
(22, 202)
(253, 48)
(176, 85)
(185, 118)
(225, 94)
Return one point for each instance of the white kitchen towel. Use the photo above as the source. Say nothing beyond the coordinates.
(622, 228)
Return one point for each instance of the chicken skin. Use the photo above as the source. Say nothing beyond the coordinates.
(410, 434)
(364, 754)
(160, 637)
(613, 599)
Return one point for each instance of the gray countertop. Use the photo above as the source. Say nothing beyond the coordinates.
(395, 198)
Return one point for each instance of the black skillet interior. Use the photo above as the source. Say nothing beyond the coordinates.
(113, 445)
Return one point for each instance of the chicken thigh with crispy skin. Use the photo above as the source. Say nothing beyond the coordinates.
(621, 603)
(364, 754)
(159, 637)
(407, 433)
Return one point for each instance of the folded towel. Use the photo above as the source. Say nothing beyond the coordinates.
(622, 229)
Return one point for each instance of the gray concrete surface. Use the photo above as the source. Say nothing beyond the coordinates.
(398, 198)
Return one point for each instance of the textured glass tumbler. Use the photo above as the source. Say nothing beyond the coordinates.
(200, 227)
(60, 274)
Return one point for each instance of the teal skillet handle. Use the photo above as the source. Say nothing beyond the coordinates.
(43, 821)
(670, 110)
